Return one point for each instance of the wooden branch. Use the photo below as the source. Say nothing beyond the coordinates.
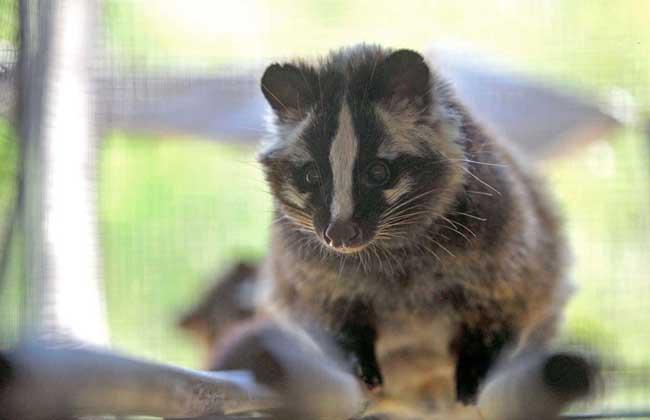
(37, 382)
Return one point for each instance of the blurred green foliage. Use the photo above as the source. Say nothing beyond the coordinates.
(596, 44)
(8, 20)
(8, 164)
(10, 290)
(172, 212)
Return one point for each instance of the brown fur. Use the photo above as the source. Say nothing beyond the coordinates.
(489, 256)
(227, 303)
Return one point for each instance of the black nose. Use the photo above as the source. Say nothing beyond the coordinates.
(339, 234)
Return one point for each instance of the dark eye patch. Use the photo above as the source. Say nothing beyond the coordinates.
(311, 175)
(378, 174)
(307, 177)
(422, 169)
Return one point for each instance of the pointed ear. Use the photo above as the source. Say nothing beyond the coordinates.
(404, 79)
(286, 89)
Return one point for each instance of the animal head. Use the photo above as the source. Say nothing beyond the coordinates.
(228, 303)
(362, 146)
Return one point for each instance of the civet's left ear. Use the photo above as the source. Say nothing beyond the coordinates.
(403, 79)
(287, 90)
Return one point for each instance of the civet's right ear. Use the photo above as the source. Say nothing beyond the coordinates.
(403, 78)
(287, 90)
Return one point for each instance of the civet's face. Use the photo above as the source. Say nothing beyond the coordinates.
(360, 155)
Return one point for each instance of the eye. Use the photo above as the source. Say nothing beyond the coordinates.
(378, 174)
(311, 175)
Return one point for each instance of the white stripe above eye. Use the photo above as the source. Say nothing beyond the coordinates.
(403, 133)
(343, 154)
(287, 142)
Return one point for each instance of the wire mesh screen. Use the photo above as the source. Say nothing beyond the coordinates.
(9, 157)
(179, 200)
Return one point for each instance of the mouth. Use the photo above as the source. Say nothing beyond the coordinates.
(344, 249)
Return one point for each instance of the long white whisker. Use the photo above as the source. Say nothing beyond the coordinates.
(459, 224)
(502, 165)
(480, 193)
(442, 246)
(392, 209)
(471, 216)
(480, 180)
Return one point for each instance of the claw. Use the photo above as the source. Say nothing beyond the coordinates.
(370, 375)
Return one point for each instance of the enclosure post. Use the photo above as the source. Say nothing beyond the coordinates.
(63, 298)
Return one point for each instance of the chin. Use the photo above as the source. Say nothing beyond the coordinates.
(346, 250)
(351, 250)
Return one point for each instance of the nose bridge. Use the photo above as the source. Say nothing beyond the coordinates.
(343, 155)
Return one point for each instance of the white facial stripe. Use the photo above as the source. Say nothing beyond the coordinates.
(402, 187)
(343, 155)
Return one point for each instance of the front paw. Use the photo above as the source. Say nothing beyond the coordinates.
(477, 351)
(369, 373)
